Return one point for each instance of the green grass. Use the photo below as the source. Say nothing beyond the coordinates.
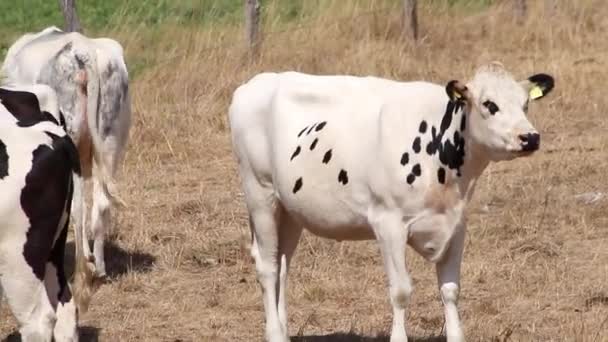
(18, 17)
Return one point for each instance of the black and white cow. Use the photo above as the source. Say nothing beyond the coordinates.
(353, 158)
(99, 125)
(37, 163)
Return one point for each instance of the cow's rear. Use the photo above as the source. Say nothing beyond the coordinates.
(37, 161)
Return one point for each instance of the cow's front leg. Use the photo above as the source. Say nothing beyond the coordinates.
(392, 237)
(448, 277)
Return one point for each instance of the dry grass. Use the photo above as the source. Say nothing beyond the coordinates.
(536, 260)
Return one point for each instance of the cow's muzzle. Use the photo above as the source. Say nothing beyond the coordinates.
(529, 142)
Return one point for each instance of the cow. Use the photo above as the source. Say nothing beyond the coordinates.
(100, 127)
(359, 158)
(37, 162)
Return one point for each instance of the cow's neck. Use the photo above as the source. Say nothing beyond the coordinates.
(475, 162)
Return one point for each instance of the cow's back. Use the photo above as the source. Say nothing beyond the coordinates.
(27, 58)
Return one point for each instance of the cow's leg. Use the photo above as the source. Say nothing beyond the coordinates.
(60, 296)
(100, 221)
(59, 292)
(79, 214)
(392, 237)
(27, 297)
(289, 236)
(264, 249)
(448, 278)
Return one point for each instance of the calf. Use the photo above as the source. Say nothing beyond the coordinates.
(37, 161)
(99, 125)
(354, 158)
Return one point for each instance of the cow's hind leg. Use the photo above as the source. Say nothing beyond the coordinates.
(79, 213)
(27, 297)
(264, 249)
(59, 293)
(100, 222)
(448, 277)
(392, 237)
(289, 236)
(265, 216)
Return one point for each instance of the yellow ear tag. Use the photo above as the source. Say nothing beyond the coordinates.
(457, 95)
(535, 92)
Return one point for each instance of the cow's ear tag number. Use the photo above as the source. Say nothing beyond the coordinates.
(536, 92)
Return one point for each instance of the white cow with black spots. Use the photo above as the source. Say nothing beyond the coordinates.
(355, 158)
(37, 162)
(99, 125)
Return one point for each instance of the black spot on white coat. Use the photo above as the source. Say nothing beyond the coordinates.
(423, 127)
(3, 160)
(463, 123)
(327, 157)
(25, 107)
(302, 131)
(43, 199)
(57, 256)
(343, 177)
(311, 128)
(416, 145)
(411, 178)
(314, 144)
(441, 175)
(451, 153)
(295, 153)
(416, 170)
(405, 158)
(320, 126)
(298, 185)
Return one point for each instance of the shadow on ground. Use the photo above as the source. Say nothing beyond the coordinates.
(87, 334)
(118, 260)
(351, 337)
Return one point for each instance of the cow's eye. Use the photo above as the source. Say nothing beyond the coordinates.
(491, 106)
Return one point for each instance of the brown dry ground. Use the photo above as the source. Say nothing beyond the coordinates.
(536, 260)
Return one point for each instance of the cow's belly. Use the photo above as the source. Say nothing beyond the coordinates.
(342, 233)
(327, 213)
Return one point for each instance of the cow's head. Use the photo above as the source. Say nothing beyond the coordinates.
(496, 105)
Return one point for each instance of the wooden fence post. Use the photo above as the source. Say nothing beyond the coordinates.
(410, 19)
(521, 10)
(252, 26)
(71, 21)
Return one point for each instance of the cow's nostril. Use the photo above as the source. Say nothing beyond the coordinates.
(530, 141)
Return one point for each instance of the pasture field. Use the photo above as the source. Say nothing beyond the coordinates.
(536, 259)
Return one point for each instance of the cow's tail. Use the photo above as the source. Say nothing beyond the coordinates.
(93, 91)
(85, 281)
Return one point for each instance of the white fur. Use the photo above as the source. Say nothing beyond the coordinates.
(370, 123)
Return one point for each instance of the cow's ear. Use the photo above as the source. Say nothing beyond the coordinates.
(457, 91)
(538, 85)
